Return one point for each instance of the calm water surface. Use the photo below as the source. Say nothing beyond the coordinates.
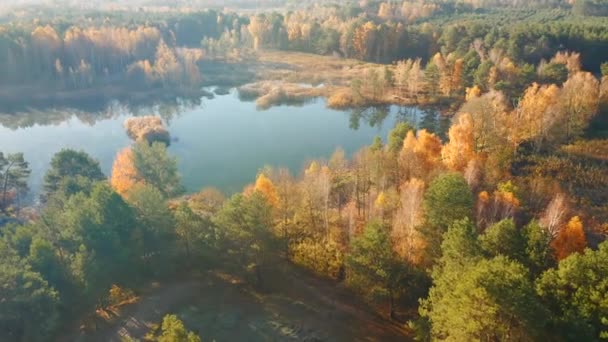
(221, 142)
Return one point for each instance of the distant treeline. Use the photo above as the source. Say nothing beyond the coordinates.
(164, 48)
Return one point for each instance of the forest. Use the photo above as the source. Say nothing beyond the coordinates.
(493, 230)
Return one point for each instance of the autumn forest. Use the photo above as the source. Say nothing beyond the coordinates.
(482, 221)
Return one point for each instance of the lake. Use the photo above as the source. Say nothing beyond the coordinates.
(220, 142)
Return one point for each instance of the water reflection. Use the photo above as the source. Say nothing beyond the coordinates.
(422, 118)
(220, 142)
(167, 109)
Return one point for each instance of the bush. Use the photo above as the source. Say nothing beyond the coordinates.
(323, 258)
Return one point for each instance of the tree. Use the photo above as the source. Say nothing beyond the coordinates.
(420, 155)
(266, 188)
(539, 255)
(14, 171)
(537, 114)
(372, 265)
(552, 218)
(173, 330)
(457, 153)
(576, 293)
(29, 307)
(69, 163)
(571, 239)
(396, 136)
(124, 173)
(155, 226)
(166, 65)
(157, 168)
(191, 230)
(460, 246)
(407, 240)
(245, 227)
(97, 230)
(488, 300)
(503, 238)
(44, 259)
(258, 27)
(447, 199)
(579, 101)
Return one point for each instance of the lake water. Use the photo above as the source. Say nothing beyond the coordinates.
(220, 142)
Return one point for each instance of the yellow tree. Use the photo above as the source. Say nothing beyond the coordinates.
(124, 174)
(579, 100)
(365, 40)
(420, 155)
(571, 239)
(166, 65)
(258, 27)
(385, 11)
(407, 156)
(536, 114)
(457, 153)
(572, 61)
(266, 188)
(428, 152)
(407, 241)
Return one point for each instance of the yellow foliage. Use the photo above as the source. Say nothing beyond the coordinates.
(473, 92)
(266, 188)
(484, 197)
(380, 200)
(324, 258)
(124, 174)
(420, 155)
(341, 99)
(460, 149)
(571, 239)
(147, 128)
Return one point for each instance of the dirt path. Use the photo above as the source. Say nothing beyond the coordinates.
(294, 307)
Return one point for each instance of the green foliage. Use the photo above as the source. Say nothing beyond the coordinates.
(447, 199)
(155, 225)
(490, 300)
(66, 165)
(97, 230)
(195, 233)
(577, 294)
(323, 258)
(28, 306)
(173, 330)
(604, 69)
(554, 73)
(244, 227)
(372, 265)
(43, 259)
(157, 167)
(14, 172)
(376, 145)
(460, 245)
(503, 238)
(539, 255)
(396, 136)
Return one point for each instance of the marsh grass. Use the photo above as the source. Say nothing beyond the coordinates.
(272, 93)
